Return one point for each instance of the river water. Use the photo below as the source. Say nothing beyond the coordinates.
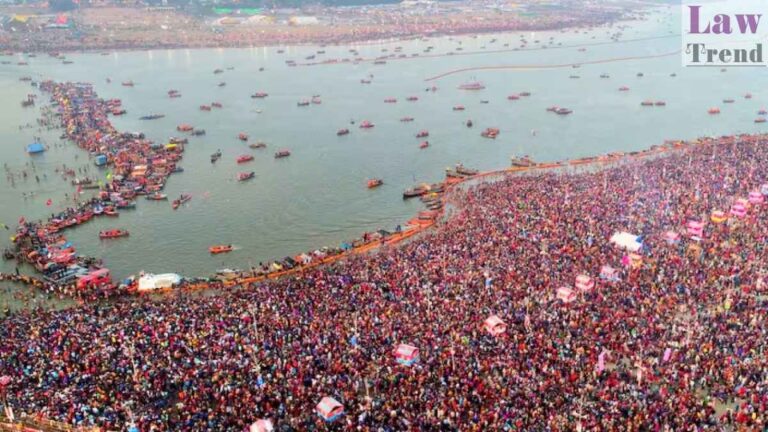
(317, 196)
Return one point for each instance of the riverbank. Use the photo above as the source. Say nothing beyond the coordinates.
(109, 28)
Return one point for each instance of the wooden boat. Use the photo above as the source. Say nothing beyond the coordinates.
(114, 233)
(243, 176)
(157, 196)
(282, 154)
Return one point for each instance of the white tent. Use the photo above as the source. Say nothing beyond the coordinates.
(627, 241)
(262, 426)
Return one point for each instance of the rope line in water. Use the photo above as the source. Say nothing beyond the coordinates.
(552, 66)
(496, 51)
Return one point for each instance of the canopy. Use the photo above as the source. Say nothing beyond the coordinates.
(406, 354)
(739, 210)
(262, 426)
(695, 228)
(609, 273)
(671, 237)
(627, 241)
(566, 294)
(494, 325)
(584, 282)
(329, 409)
(718, 216)
(150, 282)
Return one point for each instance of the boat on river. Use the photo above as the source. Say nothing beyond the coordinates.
(472, 85)
(113, 233)
(157, 196)
(218, 249)
(215, 156)
(183, 198)
(243, 176)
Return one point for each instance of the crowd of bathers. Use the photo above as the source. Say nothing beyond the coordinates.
(673, 337)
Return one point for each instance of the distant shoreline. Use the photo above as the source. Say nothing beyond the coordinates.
(87, 38)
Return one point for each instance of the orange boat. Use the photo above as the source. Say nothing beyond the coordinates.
(422, 134)
(714, 110)
(372, 183)
(365, 124)
(242, 137)
(205, 107)
(458, 108)
(184, 127)
(513, 97)
(424, 145)
(244, 158)
(220, 249)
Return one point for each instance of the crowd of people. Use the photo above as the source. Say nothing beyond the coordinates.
(672, 339)
(106, 28)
